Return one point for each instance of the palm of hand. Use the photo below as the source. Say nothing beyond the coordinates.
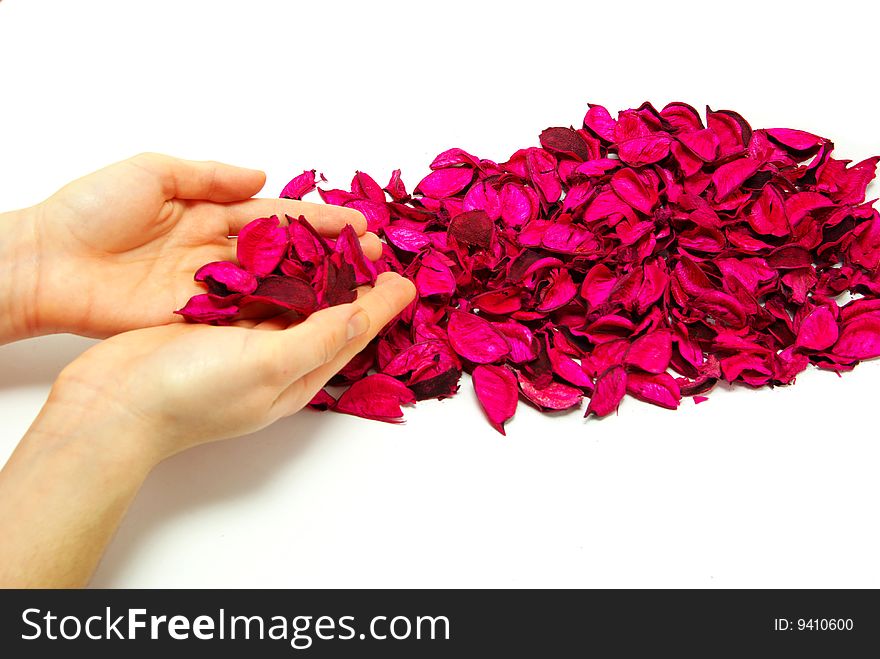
(119, 247)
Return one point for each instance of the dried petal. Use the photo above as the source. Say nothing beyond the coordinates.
(552, 396)
(497, 392)
(608, 392)
(473, 228)
(224, 278)
(285, 292)
(299, 186)
(445, 182)
(261, 245)
(434, 276)
(644, 150)
(322, 401)
(208, 308)
(376, 397)
(818, 330)
(475, 339)
(651, 352)
(860, 338)
(638, 190)
(349, 247)
(660, 389)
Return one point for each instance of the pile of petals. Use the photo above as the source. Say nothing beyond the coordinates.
(652, 255)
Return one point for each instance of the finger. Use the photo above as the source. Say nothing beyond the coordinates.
(327, 219)
(208, 180)
(381, 304)
(371, 245)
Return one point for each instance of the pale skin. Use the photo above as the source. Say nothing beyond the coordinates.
(112, 255)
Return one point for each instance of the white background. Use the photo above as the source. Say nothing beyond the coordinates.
(752, 488)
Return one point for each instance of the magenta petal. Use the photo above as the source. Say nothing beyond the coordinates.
(600, 122)
(542, 171)
(651, 352)
(608, 392)
(208, 308)
(306, 243)
(349, 247)
(818, 330)
(552, 396)
(429, 368)
(597, 167)
(797, 140)
(519, 204)
(396, 188)
(639, 191)
(497, 393)
(483, 196)
(568, 369)
(644, 150)
(322, 401)
(376, 213)
(604, 356)
(299, 186)
(409, 240)
(560, 292)
(767, 215)
(520, 340)
(445, 182)
(452, 158)
(434, 276)
(860, 338)
(364, 186)
(261, 245)
(499, 302)
(475, 339)
(728, 178)
(376, 397)
(660, 389)
(224, 278)
(702, 143)
(846, 185)
(597, 285)
(787, 364)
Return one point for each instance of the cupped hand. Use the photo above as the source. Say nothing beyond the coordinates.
(117, 249)
(175, 386)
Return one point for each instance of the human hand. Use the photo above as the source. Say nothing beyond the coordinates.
(175, 386)
(116, 250)
(141, 396)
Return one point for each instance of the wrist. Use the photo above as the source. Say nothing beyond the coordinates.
(91, 430)
(19, 287)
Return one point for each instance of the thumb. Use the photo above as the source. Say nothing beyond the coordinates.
(319, 339)
(381, 304)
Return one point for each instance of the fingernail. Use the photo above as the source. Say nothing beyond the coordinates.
(358, 324)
